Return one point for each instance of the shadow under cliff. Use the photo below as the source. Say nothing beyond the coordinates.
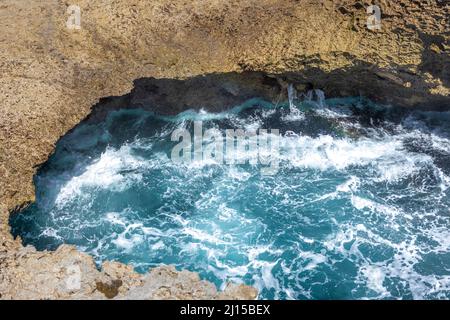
(220, 91)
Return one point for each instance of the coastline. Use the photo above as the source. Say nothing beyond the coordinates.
(51, 77)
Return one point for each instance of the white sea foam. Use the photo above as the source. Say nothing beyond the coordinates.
(314, 259)
(387, 155)
(285, 234)
(203, 236)
(115, 170)
(350, 185)
(266, 279)
(127, 239)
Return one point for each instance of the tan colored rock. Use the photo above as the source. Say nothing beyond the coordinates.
(50, 77)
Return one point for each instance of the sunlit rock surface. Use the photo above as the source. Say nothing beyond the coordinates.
(50, 76)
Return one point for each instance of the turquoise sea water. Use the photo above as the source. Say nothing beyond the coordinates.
(360, 206)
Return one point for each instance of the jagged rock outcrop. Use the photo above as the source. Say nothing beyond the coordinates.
(51, 76)
(69, 274)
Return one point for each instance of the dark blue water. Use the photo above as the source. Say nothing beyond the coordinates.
(360, 207)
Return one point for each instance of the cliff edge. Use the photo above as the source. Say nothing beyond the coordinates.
(52, 73)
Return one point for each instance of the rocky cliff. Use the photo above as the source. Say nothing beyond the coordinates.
(51, 76)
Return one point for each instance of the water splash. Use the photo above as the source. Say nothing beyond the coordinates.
(315, 96)
(320, 97)
(292, 95)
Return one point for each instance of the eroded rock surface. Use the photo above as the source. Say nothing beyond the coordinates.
(51, 76)
(69, 274)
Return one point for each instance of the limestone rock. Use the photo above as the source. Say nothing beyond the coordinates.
(51, 76)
